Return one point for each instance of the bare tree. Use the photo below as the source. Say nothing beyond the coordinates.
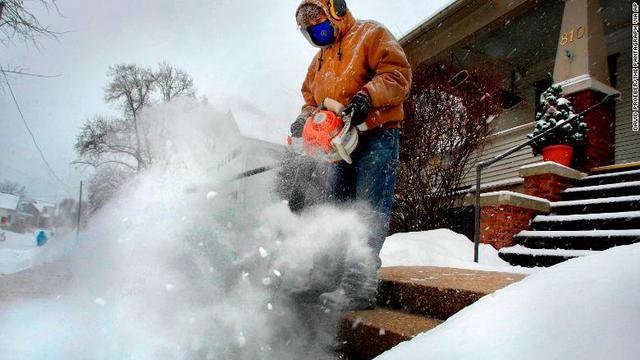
(105, 185)
(118, 147)
(173, 82)
(131, 87)
(107, 141)
(19, 22)
(11, 187)
(446, 123)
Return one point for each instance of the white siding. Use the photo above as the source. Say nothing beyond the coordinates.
(507, 168)
(627, 141)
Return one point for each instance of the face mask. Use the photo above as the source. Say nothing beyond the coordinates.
(321, 35)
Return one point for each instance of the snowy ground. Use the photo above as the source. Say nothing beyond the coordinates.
(585, 308)
(19, 251)
(442, 248)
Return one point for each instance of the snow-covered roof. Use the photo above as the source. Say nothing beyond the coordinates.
(40, 205)
(9, 201)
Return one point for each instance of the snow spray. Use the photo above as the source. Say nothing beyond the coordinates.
(176, 268)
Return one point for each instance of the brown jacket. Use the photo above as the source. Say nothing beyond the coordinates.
(364, 57)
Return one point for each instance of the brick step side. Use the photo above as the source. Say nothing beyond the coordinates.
(413, 300)
(601, 191)
(367, 334)
(577, 240)
(611, 178)
(521, 256)
(437, 292)
(593, 206)
(606, 221)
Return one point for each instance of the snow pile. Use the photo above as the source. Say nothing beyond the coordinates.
(586, 308)
(442, 248)
(20, 252)
(174, 269)
(17, 252)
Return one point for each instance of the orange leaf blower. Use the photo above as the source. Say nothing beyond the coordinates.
(328, 135)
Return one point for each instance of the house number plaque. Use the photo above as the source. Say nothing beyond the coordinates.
(573, 35)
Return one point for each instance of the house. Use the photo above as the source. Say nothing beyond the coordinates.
(585, 45)
(8, 209)
(541, 213)
(35, 214)
(46, 214)
(246, 171)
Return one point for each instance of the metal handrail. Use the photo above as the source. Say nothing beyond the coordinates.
(485, 164)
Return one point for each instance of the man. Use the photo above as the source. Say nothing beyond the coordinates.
(362, 65)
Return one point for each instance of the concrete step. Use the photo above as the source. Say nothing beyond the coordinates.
(601, 191)
(413, 300)
(367, 334)
(577, 240)
(600, 205)
(437, 292)
(611, 178)
(624, 220)
(522, 256)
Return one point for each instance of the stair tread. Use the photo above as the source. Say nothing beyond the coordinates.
(616, 167)
(595, 201)
(596, 216)
(612, 175)
(620, 185)
(482, 282)
(522, 250)
(580, 233)
(390, 321)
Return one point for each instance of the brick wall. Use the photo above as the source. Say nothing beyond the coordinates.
(498, 224)
(547, 186)
(600, 149)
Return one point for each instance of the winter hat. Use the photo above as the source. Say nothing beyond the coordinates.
(307, 13)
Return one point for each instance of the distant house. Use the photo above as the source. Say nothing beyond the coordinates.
(8, 209)
(46, 213)
(35, 214)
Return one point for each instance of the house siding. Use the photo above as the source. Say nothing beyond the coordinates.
(507, 168)
(627, 141)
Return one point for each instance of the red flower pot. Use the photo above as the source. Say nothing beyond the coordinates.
(561, 154)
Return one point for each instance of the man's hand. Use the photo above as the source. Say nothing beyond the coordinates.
(358, 108)
(298, 125)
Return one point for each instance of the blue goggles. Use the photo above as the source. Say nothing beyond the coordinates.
(320, 35)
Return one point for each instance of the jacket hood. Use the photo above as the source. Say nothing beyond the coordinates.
(343, 25)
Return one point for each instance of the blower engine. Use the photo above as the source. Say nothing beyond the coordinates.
(328, 135)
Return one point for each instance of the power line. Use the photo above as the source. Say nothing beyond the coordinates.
(33, 138)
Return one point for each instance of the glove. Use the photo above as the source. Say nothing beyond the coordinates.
(298, 125)
(358, 108)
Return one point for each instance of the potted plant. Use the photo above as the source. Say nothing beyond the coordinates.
(559, 145)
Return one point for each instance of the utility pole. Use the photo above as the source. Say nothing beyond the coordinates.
(79, 213)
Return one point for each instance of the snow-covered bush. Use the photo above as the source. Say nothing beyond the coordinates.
(556, 109)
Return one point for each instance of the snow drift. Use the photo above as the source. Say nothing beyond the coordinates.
(174, 269)
(442, 248)
(586, 308)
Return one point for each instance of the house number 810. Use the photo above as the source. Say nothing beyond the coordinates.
(571, 36)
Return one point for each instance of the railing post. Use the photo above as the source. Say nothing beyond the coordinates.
(476, 232)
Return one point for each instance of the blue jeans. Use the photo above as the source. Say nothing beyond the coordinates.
(370, 179)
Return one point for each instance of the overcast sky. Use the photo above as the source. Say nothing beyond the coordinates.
(247, 54)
